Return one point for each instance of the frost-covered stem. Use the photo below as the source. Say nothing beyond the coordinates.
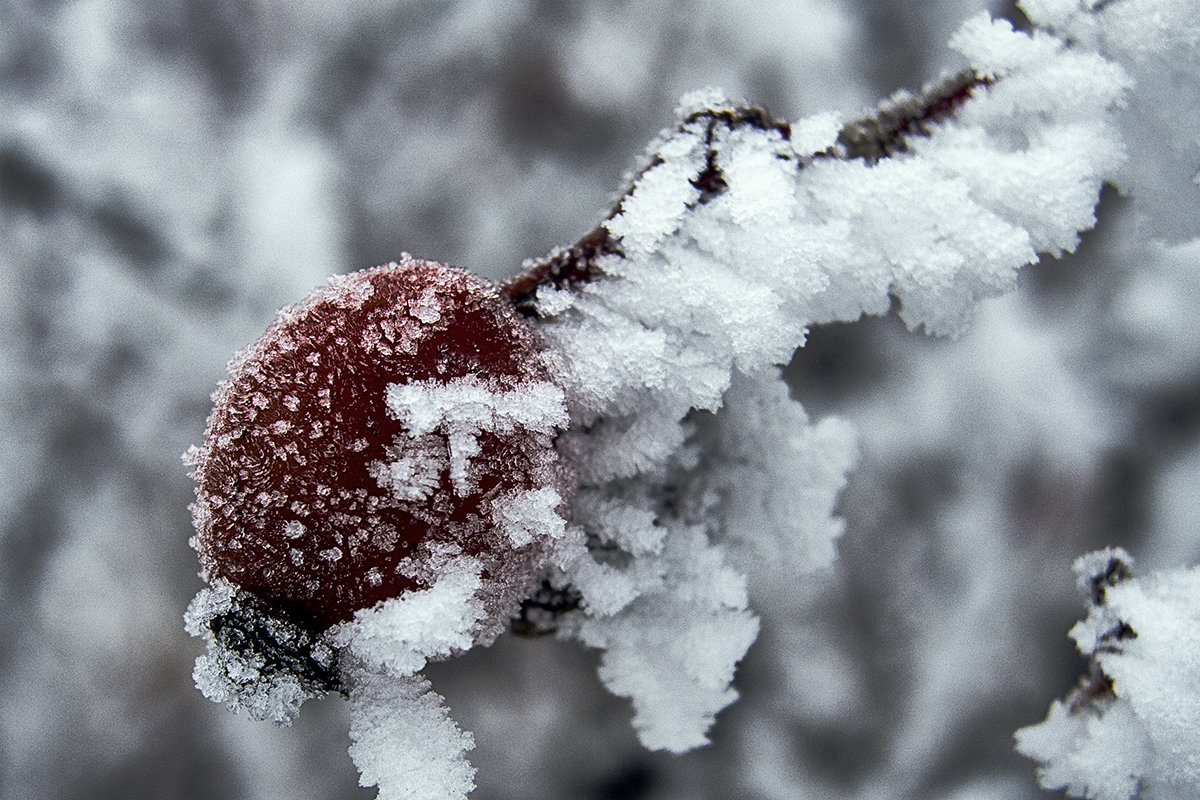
(404, 741)
(873, 137)
(886, 132)
(563, 267)
(1129, 728)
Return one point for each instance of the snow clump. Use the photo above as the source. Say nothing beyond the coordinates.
(694, 475)
(1131, 727)
(737, 235)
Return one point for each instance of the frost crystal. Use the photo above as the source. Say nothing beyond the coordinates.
(461, 412)
(734, 238)
(404, 742)
(672, 637)
(255, 658)
(399, 635)
(1132, 725)
(698, 483)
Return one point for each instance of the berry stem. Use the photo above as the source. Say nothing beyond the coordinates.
(874, 137)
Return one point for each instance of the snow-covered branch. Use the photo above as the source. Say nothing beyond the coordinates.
(1130, 727)
(410, 458)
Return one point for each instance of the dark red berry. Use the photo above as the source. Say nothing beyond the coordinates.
(316, 497)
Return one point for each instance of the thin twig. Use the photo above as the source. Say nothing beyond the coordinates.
(882, 134)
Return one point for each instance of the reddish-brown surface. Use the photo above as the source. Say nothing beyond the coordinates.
(303, 415)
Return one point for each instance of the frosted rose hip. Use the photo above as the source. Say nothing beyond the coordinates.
(392, 418)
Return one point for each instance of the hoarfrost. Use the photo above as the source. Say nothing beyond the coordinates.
(173, 173)
(415, 469)
(528, 515)
(737, 235)
(730, 243)
(1131, 727)
(469, 404)
(404, 742)
(673, 649)
(400, 635)
(462, 411)
(1156, 43)
(403, 739)
(255, 660)
(760, 433)
(428, 310)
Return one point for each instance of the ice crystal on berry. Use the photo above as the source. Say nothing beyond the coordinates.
(396, 422)
(383, 463)
(377, 417)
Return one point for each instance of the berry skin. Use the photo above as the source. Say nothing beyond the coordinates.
(320, 496)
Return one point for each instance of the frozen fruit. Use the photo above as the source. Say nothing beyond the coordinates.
(395, 418)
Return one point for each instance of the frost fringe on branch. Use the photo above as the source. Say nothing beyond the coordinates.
(737, 235)
(664, 329)
(1131, 726)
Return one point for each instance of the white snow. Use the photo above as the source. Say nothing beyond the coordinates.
(708, 294)
(398, 636)
(404, 742)
(1143, 738)
(460, 411)
(695, 466)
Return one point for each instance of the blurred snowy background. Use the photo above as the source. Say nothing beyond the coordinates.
(173, 172)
